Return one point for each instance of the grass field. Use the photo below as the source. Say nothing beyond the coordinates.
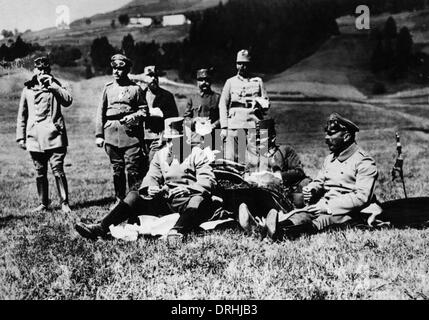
(42, 257)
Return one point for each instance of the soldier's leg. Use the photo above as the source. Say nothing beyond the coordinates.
(56, 160)
(327, 221)
(192, 213)
(230, 143)
(296, 195)
(40, 161)
(282, 225)
(117, 161)
(134, 159)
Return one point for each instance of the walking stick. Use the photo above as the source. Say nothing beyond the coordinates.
(398, 167)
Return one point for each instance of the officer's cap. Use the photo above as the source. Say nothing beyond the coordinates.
(120, 61)
(203, 74)
(151, 71)
(337, 123)
(42, 62)
(243, 56)
(173, 127)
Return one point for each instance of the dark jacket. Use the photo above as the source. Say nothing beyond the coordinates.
(204, 105)
(164, 100)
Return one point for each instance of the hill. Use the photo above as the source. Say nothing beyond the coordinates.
(81, 34)
(341, 66)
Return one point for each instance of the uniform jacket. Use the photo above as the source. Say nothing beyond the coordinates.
(40, 122)
(238, 91)
(204, 105)
(347, 181)
(153, 126)
(116, 102)
(280, 158)
(194, 172)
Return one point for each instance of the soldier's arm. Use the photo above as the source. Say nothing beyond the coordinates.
(215, 113)
(292, 168)
(204, 172)
(361, 195)
(224, 101)
(154, 175)
(100, 117)
(142, 106)
(21, 122)
(318, 183)
(61, 93)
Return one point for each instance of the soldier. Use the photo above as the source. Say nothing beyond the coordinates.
(119, 126)
(204, 106)
(242, 105)
(161, 106)
(342, 191)
(41, 130)
(169, 186)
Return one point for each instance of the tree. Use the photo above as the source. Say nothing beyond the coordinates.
(113, 24)
(390, 30)
(128, 47)
(101, 52)
(404, 46)
(6, 33)
(88, 21)
(124, 19)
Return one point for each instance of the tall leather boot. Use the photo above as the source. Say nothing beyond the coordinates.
(43, 193)
(119, 182)
(120, 212)
(63, 193)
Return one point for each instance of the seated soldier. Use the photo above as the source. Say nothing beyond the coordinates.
(168, 187)
(342, 191)
(272, 164)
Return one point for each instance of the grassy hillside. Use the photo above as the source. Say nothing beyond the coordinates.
(42, 257)
(341, 67)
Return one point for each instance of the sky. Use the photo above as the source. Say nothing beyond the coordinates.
(40, 14)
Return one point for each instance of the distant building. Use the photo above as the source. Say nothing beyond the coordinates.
(174, 20)
(140, 22)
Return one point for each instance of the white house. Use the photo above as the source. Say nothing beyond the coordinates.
(140, 22)
(174, 20)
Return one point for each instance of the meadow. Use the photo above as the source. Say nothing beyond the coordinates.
(42, 257)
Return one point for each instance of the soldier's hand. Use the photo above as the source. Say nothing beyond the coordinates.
(223, 133)
(46, 80)
(318, 208)
(307, 194)
(130, 119)
(99, 142)
(153, 190)
(22, 145)
(178, 191)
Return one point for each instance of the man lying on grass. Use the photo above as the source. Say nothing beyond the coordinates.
(168, 187)
(342, 192)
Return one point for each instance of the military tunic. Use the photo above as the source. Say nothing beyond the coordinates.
(119, 100)
(346, 185)
(204, 105)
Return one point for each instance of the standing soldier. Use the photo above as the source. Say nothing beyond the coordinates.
(161, 106)
(242, 105)
(119, 126)
(203, 106)
(41, 130)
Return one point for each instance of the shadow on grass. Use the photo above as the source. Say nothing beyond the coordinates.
(5, 220)
(92, 203)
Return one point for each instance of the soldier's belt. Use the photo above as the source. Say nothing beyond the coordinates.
(236, 104)
(117, 116)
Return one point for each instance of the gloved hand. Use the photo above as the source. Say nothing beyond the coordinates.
(223, 133)
(99, 142)
(130, 120)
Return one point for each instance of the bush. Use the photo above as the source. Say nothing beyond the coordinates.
(65, 56)
(379, 88)
(124, 19)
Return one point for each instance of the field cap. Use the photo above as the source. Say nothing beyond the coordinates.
(203, 74)
(337, 123)
(42, 62)
(243, 56)
(120, 61)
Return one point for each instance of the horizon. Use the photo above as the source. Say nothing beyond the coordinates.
(37, 15)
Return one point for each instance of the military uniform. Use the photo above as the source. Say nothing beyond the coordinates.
(122, 142)
(240, 106)
(154, 126)
(41, 126)
(204, 105)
